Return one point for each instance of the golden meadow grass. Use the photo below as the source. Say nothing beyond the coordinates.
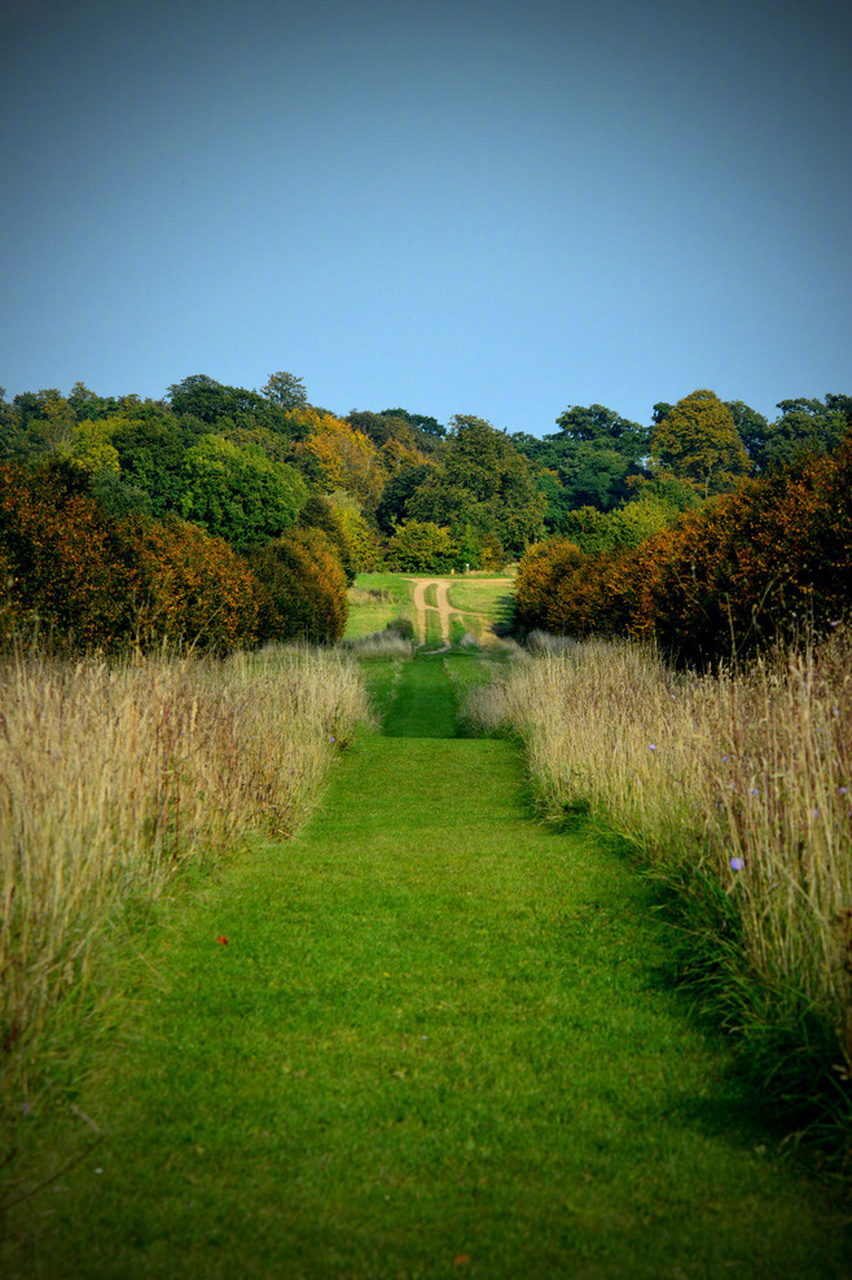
(113, 776)
(747, 777)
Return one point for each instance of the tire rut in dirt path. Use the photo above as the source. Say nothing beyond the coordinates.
(444, 609)
(421, 607)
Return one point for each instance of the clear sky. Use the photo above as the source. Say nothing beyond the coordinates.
(496, 207)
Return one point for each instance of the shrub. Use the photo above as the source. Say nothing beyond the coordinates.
(301, 588)
(67, 570)
(420, 546)
(318, 513)
(195, 589)
(542, 568)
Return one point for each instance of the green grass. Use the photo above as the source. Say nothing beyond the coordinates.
(494, 602)
(364, 619)
(440, 1040)
(434, 638)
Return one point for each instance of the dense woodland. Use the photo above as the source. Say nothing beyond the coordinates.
(225, 516)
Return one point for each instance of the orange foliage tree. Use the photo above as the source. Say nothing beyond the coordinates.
(339, 457)
(195, 589)
(67, 572)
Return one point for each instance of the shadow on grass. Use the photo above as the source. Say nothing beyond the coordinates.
(772, 1086)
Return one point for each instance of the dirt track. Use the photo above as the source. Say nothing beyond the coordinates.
(444, 609)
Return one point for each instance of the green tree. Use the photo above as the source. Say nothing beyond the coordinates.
(420, 546)
(397, 493)
(698, 440)
(483, 461)
(438, 501)
(302, 588)
(12, 435)
(318, 513)
(44, 423)
(804, 428)
(362, 539)
(86, 405)
(231, 408)
(238, 494)
(752, 428)
(286, 390)
(605, 429)
(421, 422)
(92, 447)
(151, 449)
(594, 457)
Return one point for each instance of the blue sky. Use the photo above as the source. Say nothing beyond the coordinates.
(484, 206)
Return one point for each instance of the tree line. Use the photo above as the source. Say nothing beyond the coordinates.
(285, 485)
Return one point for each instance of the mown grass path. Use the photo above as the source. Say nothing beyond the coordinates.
(438, 1042)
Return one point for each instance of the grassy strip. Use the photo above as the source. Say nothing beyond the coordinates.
(438, 1039)
(734, 794)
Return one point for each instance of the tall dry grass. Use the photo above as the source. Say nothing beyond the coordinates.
(112, 776)
(747, 778)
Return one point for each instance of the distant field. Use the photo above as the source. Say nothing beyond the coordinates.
(477, 604)
(492, 598)
(391, 599)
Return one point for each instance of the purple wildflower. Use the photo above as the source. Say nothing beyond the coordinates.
(736, 864)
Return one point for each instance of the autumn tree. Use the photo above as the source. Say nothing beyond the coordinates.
(335, 456)
(698, 440)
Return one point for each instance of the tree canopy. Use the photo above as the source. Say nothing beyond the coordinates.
(698, 441)
(248, 466)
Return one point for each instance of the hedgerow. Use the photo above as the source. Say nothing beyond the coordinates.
(730, 578)
(81, 579)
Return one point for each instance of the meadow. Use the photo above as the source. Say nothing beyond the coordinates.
(429, 1036)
